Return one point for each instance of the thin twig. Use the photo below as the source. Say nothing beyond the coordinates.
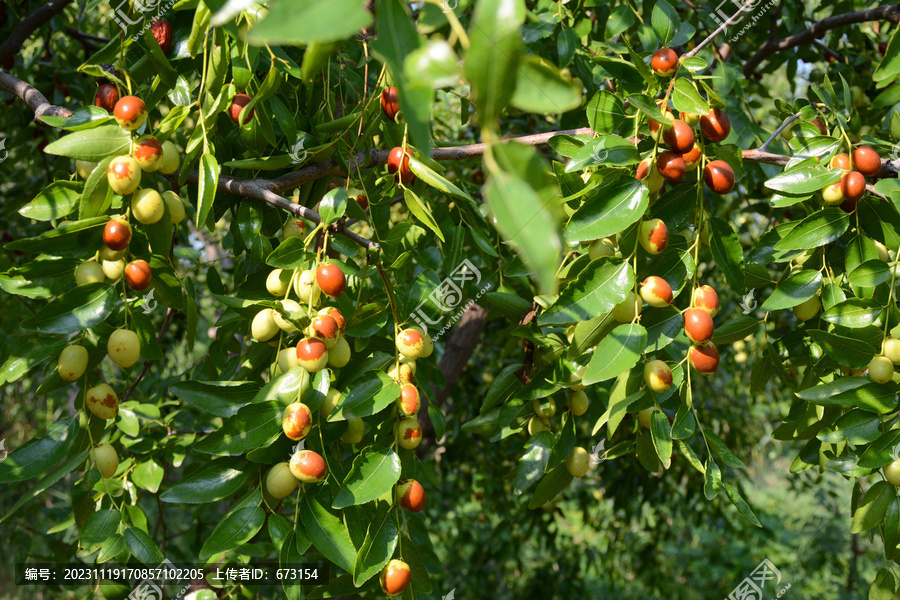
(781, 128)
(732, 19)
(147, 363)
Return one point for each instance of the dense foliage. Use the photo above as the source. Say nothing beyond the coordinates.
(664, 318)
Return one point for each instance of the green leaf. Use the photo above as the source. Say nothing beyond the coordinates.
(853, 313)
(215, 480)
(541, 88)
(608, 209)
(609, 151)
(856, 427)
(796, 289)
(735, 329)
(873, 506)
(741, 504)
(397, 40)
(99, 527)
(502, 387)
(38, 455)
(883, 586)
(333, 205)
(436, 180)
(291, 22)
(55, 201)
(605, 111)
(845, 351)
(86, 117)
(236, 529)
(870, 274)
(823, 391)
(727, 252)
(686, 98)
(616, 353)
(374, 473)
(602, 284)
(550, 486)
(45, 482)
(377, 549)
(253, 426)
(524, 220)
(491, 62)
(68, 240)
(712, 480)
(31, 354)
(142, 546)
(97, 196)
(328, 534)
(818, 229)
(665, 21)
(221, 398)
(804, 180)
(75, 310)
(534, 460)
(206, 187)
(421, 211)
(93, 144)
(367, 397)
(882, 451)
(661, 432)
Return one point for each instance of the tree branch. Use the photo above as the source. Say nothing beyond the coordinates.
(732, 19)
(26, 27)
(36, 100)
(889, 12)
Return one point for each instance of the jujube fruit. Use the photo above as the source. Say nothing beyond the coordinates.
(853, 186)
(398, 163)
(117, 234)
(312, 354)
(289, 306)
(237, 105)
(411, 495)
(124, 175)
(339, 354)
(867, 161)
(715, 125)
(278, 282)
(719, 176)
(148, 152)
(280, 481)
(892, 472)
(296, 421)
(88, 272)
(390, 103)
(705, 359)
(698, 325)
(578, 402)
(73, 362)
(325, 328)
(123, 347)
(671, 166)
(355, 431)
(808, 309)
(628, 309)
(395, 577)
(881, 369)
(162, 32)
(656, 292)
(106, 97)
(679, 137)
(692, 157)
(147, 206)
(138, 275)
(408, 401)
(130, 112)
(653, 236)
(263, 327)
(105, 459)
(170, 158)
(578, 463)
(658, 376)
(840, 161)
(331, 280)
(308, 466)
(102, 401)
(306, 288)
(664, 62)
(409, 433)
(706, 298)
(175, 206)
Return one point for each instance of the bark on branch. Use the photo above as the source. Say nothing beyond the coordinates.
(26, 27)
(30, 94)
(890, 12)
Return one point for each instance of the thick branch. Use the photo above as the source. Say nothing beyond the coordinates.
(26, 27)
(889, 12)
(36, 100)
